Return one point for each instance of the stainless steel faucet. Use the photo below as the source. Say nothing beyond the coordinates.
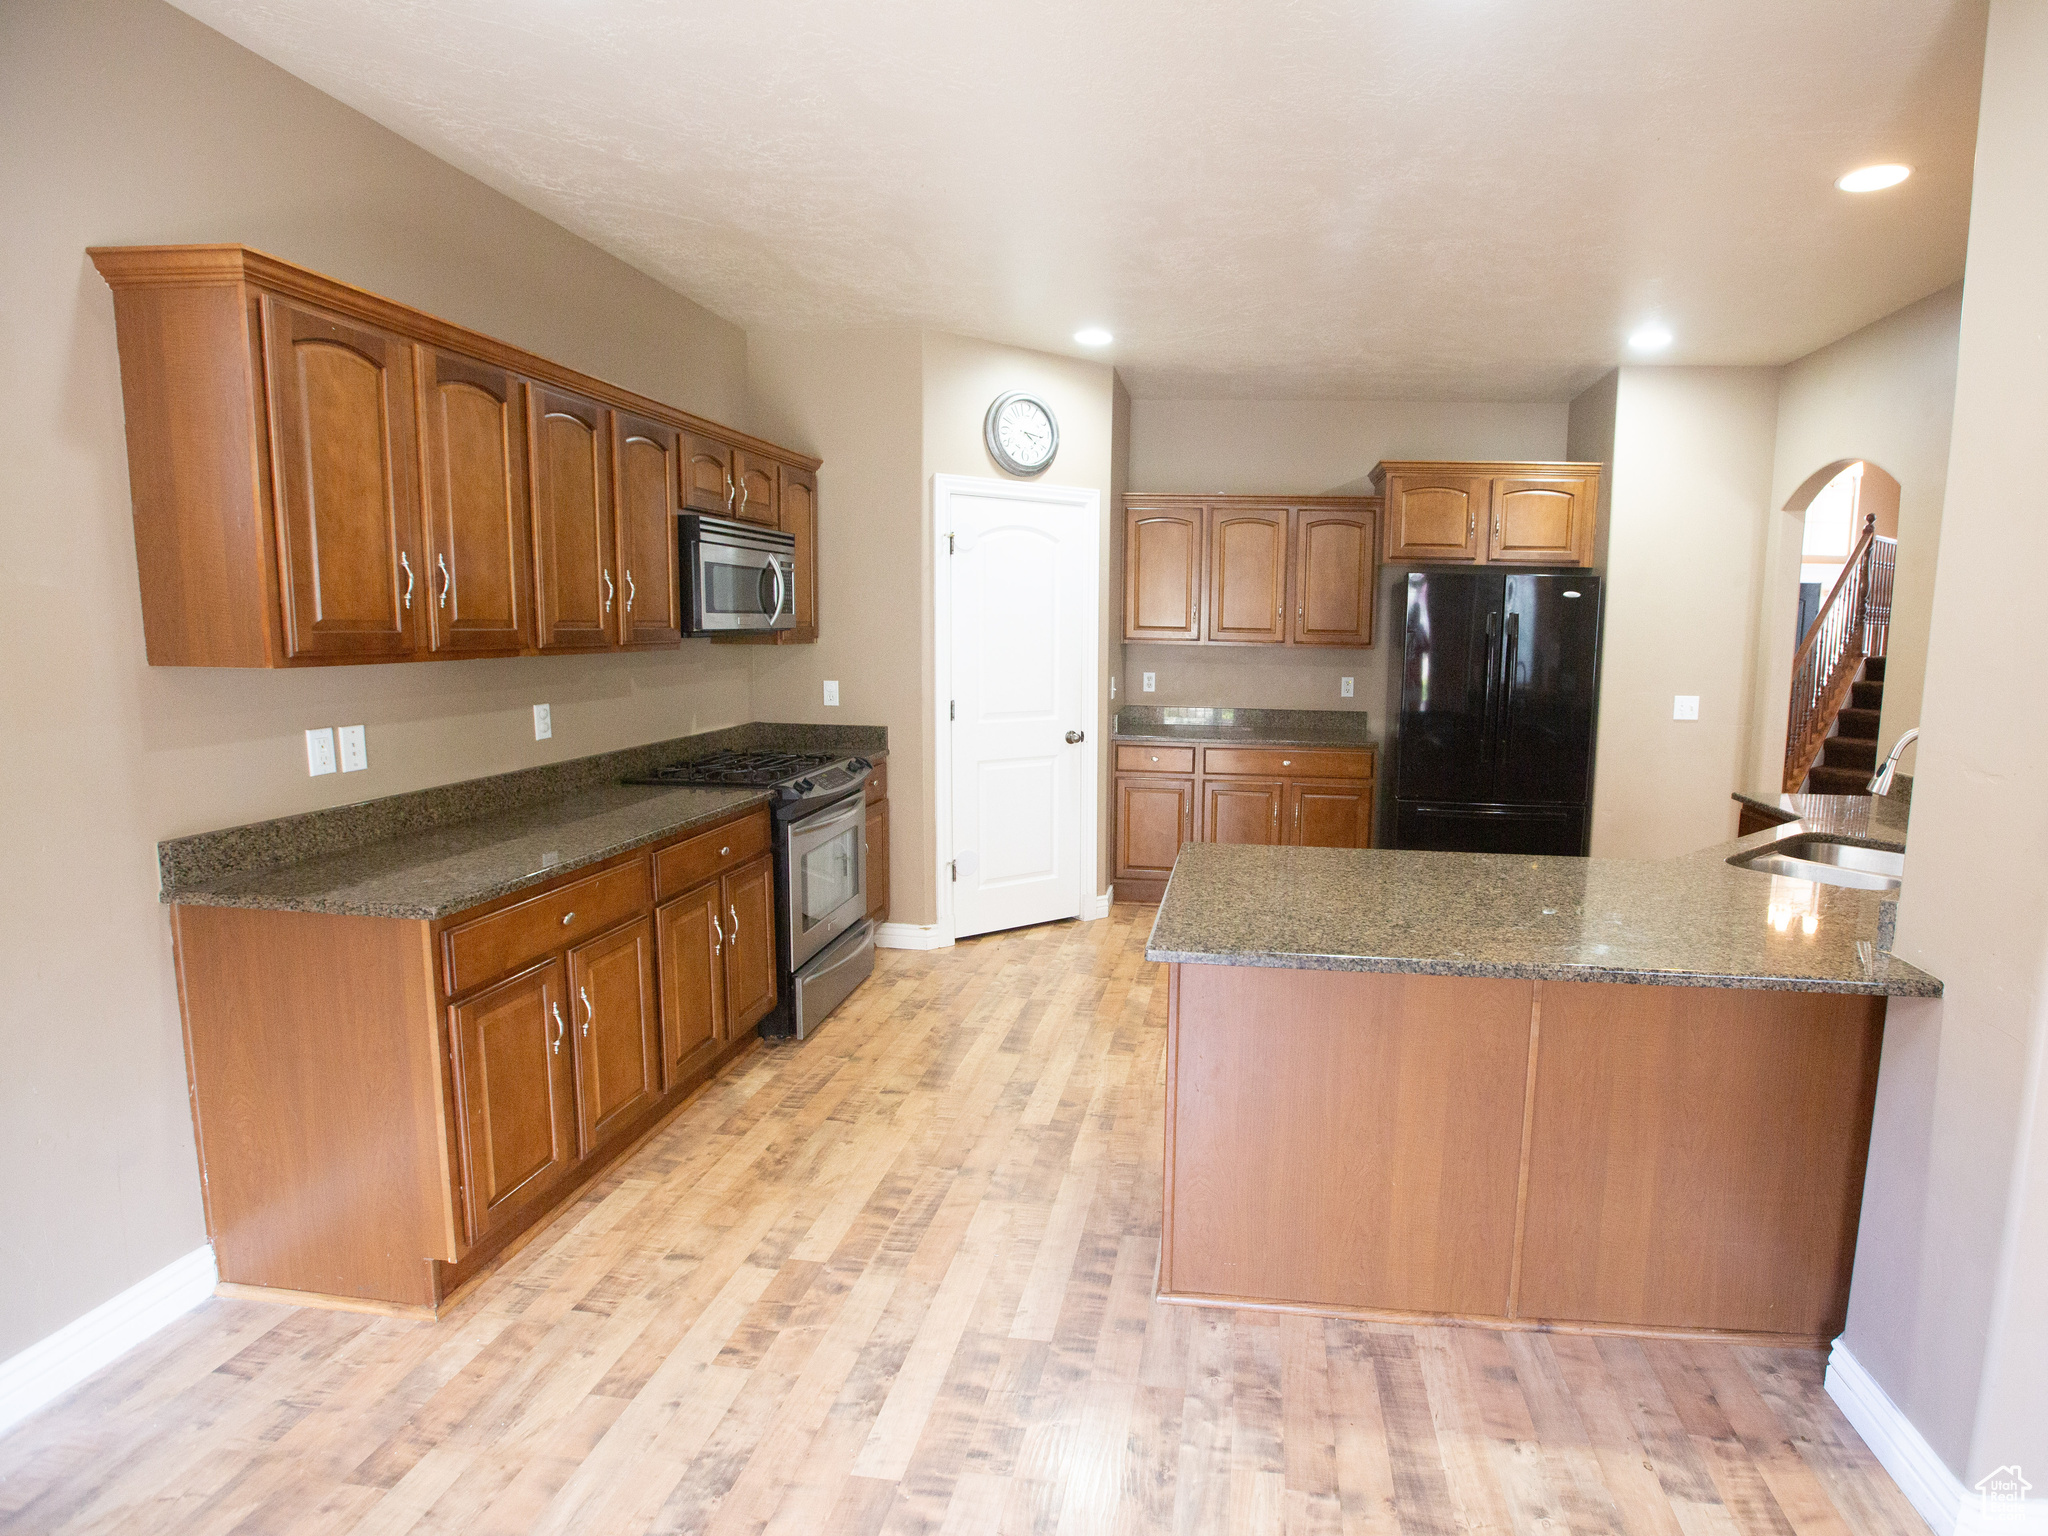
(1881, 781)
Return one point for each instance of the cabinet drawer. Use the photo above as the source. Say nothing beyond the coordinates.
(1155, 759)
(497, 945)
(1288, 762)
(878, 782)
(695, 860)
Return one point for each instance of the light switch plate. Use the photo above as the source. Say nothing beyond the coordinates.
(1685, 706)
(543, 722)
(355, 749)
(320, 751)
(1151, 680)
(1344, 687)
(831, 692)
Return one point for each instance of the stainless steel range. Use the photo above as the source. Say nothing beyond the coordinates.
(825, 942)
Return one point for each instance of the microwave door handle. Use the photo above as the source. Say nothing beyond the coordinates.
(780, 589)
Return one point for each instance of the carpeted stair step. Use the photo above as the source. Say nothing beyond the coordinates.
(1857, 722)
(1873, 669)
(1837, 781)
(1866, 695)
(1854, 752)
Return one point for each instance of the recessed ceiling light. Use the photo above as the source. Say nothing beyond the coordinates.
(1650, 336)
(1874, 178)
(1093, 336)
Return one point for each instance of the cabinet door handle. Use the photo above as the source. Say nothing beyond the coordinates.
(743, 495)
(447, 580)
(609, 590)
(728, 490)
(406, 565)
(735, 911)
(1471, 523)
(629, 590)
(556, 1010)
(589, 1013)
(718, 928)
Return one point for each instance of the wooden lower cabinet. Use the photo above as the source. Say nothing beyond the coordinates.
(382, 1104)
(618, 1050)
(878, 861)
(1267, 796)
(515, 1097)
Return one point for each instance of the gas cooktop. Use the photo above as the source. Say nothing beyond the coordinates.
(753, 768)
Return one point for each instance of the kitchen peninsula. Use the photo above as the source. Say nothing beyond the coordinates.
(1534, 1092)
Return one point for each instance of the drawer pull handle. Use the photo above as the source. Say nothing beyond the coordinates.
(568, 918)
(556, 1010)
(724, 851)
(1286, 762)
(589, 1013)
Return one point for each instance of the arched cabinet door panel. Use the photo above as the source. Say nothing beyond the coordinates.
(1247, 574)
(1436, 516)
(649, 606)
(1334, 576)
(576, 585)
(1162, 572)
(1540, 520)
(345, 484)
(478, 576)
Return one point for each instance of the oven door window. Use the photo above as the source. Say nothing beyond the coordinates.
(827, 878)
(738, 584)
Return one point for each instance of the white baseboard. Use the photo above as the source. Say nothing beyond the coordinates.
(46, 1371)
(911, 936)
(1097, 906)
(1944, 1503)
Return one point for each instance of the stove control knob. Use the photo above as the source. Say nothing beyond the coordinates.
(804, 786)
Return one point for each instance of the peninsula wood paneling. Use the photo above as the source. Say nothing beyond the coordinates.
(1697, 1156)
(1344, 1140)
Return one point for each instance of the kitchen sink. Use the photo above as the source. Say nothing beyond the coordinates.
(1807, 858)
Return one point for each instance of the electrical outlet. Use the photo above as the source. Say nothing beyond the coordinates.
(1151, 682)
(1344, 687)
(543, 722)
(831, 692)
(1685, 706)
(320, 752)
(355, 749)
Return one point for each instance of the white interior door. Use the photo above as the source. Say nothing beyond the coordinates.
(1020, 688)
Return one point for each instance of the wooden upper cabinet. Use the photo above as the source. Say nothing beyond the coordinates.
(479, 550)
(1334, 576)
(1487, 513)
(322, 476)
(798, 512)
(1247, 570)
(707, 476)
(754, 480)
(1543, 519)
(617, 1034)
(575, 590)
(649, 606)
(1436, 515)
(347, 485)
(1162, 570)
(514, 1096)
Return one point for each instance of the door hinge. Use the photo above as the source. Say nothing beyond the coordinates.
(952, 705)
(954, 866)
(949, 543)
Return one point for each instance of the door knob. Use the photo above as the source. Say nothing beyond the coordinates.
(1073, 736)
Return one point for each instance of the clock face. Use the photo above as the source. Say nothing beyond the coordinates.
(1022, 435)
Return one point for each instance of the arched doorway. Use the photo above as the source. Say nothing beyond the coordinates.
(1848, 553)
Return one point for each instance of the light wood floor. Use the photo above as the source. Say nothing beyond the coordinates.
(899, 1279)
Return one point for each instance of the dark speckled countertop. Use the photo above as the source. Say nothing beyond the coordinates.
(1276, 727)
(1869, 821)
(1691, 921)
(437, 851)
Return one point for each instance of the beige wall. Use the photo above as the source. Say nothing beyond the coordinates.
(854, 398)
(1946, 1310)
(1305, 448)
(128, 122)
(1691, 482)
(1886, 395)
(961, 378)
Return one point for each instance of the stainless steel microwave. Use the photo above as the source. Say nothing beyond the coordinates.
(741, 577)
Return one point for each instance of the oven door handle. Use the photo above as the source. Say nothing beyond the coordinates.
(832, 816)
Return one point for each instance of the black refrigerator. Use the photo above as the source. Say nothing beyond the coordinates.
(1493, 741)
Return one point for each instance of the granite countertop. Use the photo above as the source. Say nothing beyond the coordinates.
(1868, 821)
(1173, 725)
(438, 851)
(1690, 921)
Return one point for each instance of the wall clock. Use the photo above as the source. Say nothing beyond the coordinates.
(1022, 435)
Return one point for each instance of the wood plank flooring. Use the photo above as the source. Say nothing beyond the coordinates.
(899, 1279)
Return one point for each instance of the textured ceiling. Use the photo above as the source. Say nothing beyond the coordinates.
(1422, 199)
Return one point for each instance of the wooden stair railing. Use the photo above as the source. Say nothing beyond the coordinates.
(1853, 624)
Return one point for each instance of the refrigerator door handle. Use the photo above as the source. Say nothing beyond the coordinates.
(1489, 707)
(1510, 645)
